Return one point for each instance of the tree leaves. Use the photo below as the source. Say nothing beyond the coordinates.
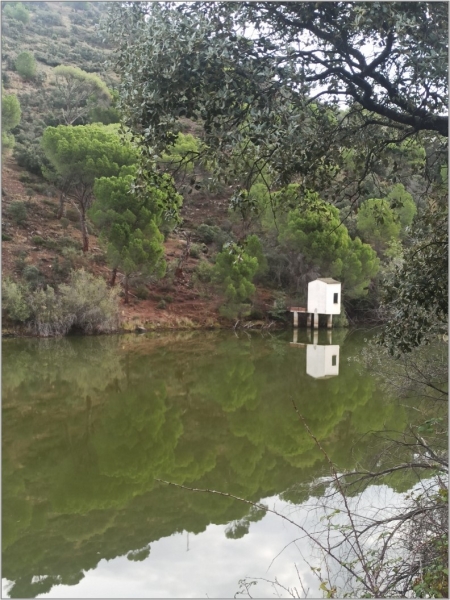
(129, 221)
(417, 297)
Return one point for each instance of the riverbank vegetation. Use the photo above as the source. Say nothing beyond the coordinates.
(347, 201)
(85, 304)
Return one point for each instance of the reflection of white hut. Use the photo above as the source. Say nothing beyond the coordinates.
(322, 361)
(324, 298)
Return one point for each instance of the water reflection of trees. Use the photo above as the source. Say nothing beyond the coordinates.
(89, 423)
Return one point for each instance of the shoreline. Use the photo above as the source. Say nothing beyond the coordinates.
(138, 329)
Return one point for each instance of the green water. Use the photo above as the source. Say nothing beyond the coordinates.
(90, 423)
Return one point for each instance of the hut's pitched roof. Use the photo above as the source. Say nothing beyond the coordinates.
(327, 280)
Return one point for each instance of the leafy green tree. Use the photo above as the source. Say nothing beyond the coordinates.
(278, 87)
(25, 65)
(377, 223)
(403, 205)
(234, 270)
(318, 234)
(17, 11)
(254, 248)
(11, 114)
(381, 221)
(107, 116)
(183, 152)
(79, 92)
(80, 154)
(416, 297)
(360, 265)
(129, 223)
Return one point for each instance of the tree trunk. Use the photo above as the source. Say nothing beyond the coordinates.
(84, 231)
(112, 282)
(62, 206)
(127, 298)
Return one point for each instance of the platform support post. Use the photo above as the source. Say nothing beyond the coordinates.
(308, 320)
(329, 321)
(295, 320)
(316, 321)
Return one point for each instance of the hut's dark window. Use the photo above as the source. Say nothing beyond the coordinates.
(335, 298)
(333, 360)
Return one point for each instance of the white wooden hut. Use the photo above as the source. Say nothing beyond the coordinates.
(324, 298)
(322, 361)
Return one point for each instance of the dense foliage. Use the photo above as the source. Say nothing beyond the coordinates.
(26, 65)
(234, 270)
(276, 90)
(80, 154)
(129, 223)
(79, 92)
(11, 114)
(17, 11)
(84, 304)
(323, 241)
(417, 295)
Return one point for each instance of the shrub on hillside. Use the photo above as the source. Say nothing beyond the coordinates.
(32, 276)
(14, 30)
(85, 304)
(100, 114)
(47, 59)
(279, 308)
(203, 272)
(40, 79)
(6, 80)
(209, 234)
(14, 301)
(30, 156)
(49, 19)
(17, 212)
(9, 61)
(92, 305)
(77, 19)
(195, 251)
(341, 320)
(11, 114)
(142, 292)
(17, 11)
(7, 141)
(40, 188)
(25, 65)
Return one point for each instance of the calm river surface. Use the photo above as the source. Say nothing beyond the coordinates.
(89, 423)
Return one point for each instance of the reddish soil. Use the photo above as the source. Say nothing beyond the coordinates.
(173, 302)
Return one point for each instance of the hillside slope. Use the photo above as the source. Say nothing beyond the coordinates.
(36, 246)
